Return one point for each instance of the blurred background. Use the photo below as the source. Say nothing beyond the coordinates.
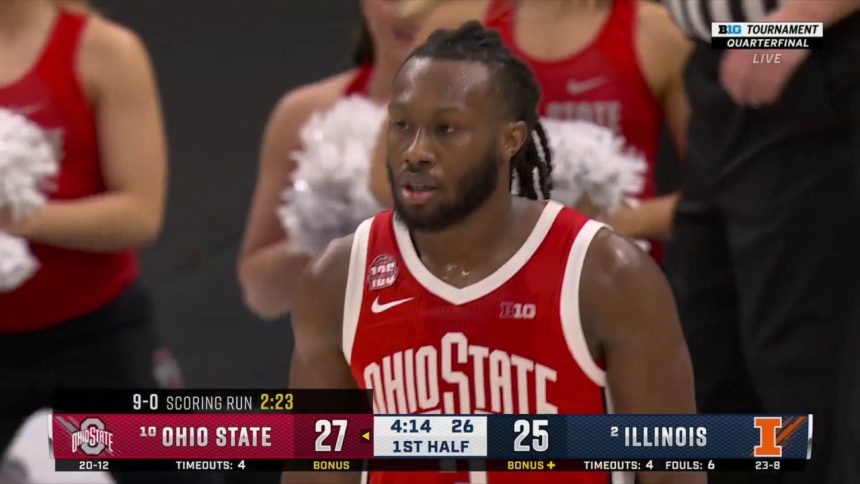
(222, 65)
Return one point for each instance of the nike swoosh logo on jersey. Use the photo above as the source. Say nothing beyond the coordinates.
(381, 308)
(575, 87)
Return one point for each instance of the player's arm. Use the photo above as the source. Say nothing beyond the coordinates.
(630, 322)
(318, 360)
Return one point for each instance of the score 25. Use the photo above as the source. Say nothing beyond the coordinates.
(534, 428)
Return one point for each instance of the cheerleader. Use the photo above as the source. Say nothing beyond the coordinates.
(78, 90)
(270, 262)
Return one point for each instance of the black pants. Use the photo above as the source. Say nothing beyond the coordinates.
(109, 348)
(849, 411)
(763, 257)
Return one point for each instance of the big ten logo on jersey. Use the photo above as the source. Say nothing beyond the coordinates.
(383, 272)
(457, 376)
(509, 310)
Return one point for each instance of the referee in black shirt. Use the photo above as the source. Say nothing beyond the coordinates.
(764, 257)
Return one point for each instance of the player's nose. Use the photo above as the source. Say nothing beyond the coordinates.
(419, 150)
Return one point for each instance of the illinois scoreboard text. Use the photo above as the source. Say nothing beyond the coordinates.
(315, 430)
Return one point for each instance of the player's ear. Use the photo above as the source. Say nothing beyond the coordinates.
(515, 135)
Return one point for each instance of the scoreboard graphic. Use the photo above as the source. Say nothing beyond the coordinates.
(334, 430)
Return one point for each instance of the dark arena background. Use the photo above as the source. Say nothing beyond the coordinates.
(222, 65)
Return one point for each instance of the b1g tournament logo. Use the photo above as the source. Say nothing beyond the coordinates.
(92, 438)
(383, 272)
(767, 35)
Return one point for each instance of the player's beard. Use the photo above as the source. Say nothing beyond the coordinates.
(472, 190)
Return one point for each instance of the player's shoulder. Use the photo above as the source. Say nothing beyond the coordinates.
(614, 263)
(618, 278)
(330, 268)
(613, 272)
(300, 102)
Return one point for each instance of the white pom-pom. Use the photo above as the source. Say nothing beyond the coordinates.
(330, 195)
(27, 160)
(16, 263)
(591, 160)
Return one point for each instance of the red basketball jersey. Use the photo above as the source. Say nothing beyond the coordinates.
(511, 343)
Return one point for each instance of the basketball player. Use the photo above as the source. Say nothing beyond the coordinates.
(82, 320)
(487, 302)
(617, 63)
(267, 264)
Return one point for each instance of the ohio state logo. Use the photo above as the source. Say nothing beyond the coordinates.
(383, 272)
(92, 438)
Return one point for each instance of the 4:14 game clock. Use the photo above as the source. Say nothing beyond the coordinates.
(411, 426)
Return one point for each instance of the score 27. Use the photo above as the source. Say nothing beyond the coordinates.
(324, 430)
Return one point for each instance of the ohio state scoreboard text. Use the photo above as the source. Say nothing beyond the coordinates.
(335, 430)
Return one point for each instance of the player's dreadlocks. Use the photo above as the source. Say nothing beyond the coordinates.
(473, 42)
